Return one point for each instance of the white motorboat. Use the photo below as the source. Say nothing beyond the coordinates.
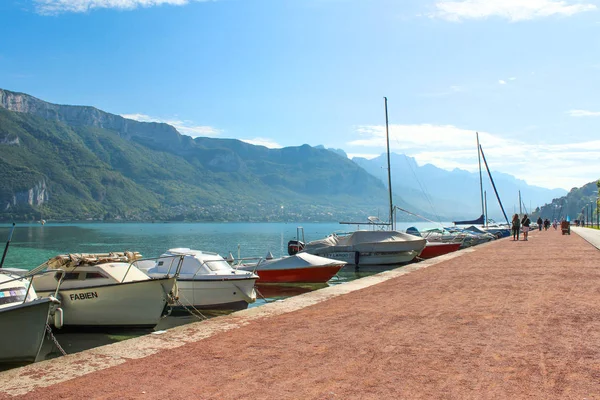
(298, 268)
(368, 247)
(23, 318)
(105, 290)
(204, 280)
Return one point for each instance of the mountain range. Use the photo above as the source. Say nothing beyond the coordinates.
(73, 162)
(456, 194)
(68, 162)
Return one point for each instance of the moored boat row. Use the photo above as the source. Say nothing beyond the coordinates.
(123, 290)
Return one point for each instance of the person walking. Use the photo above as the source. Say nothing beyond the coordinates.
(516, 227)
(540, 222)
(525, 222)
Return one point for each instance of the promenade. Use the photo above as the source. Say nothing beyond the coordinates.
(506, 320)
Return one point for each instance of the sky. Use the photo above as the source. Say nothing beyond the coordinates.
(525, 74)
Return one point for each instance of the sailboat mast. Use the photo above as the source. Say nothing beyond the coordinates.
(520, 205)
(480, 180)
(387, 136)
(485, 208)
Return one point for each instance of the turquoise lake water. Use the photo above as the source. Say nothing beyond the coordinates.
(33, 244)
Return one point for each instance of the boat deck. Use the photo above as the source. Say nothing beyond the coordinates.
(502, 320)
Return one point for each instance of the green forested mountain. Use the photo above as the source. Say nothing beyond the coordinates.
(70, 162)
(575, 205)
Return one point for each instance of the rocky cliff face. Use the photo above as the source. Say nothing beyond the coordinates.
(35, 196)
(151, 133)
(10, 141)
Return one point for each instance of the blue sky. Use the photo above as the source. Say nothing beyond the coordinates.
(524, 73)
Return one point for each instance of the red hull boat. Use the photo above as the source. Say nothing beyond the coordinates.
(435, 249)
(299, 268)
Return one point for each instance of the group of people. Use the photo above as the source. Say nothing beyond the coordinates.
(524, 224)
(517, 224)
(543, 223)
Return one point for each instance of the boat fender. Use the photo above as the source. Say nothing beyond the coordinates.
(167, 309)
(356, 257)
(58, 318)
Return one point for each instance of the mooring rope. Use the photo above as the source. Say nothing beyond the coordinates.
(261, 296)
(199, 315)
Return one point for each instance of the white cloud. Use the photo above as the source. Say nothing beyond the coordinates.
(53, 7)
(512, 78)
(271, 144)
(448, 147)
(422, 137)
(583, 113)
(185, 127)
(513, 10)
(502, 82)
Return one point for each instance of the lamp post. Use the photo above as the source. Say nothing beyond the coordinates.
(597, 213)
(587, 211)
(586, 214)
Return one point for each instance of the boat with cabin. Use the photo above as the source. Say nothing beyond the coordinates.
(205, 280)
(104, 291)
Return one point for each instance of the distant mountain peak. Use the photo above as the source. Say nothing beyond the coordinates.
(336, 151)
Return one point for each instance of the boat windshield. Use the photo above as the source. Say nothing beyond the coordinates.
(11, 295)
(218, 265)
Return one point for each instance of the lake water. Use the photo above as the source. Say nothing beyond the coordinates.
(33, 244)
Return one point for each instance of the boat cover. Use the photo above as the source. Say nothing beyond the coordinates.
(300, 260)
(77, 259)
(478, 221)
(365, 241)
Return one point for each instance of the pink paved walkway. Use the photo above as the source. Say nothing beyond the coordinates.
(510, 320)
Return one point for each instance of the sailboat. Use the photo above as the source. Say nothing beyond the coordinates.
(482, 221)
(369, 247)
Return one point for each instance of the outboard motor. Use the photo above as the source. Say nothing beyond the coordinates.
(294, 246)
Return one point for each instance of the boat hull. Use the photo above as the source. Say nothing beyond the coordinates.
(432, 250)
(23, 331)
(229, 294)
(371, 258)
(138, 304)
(298, 275)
